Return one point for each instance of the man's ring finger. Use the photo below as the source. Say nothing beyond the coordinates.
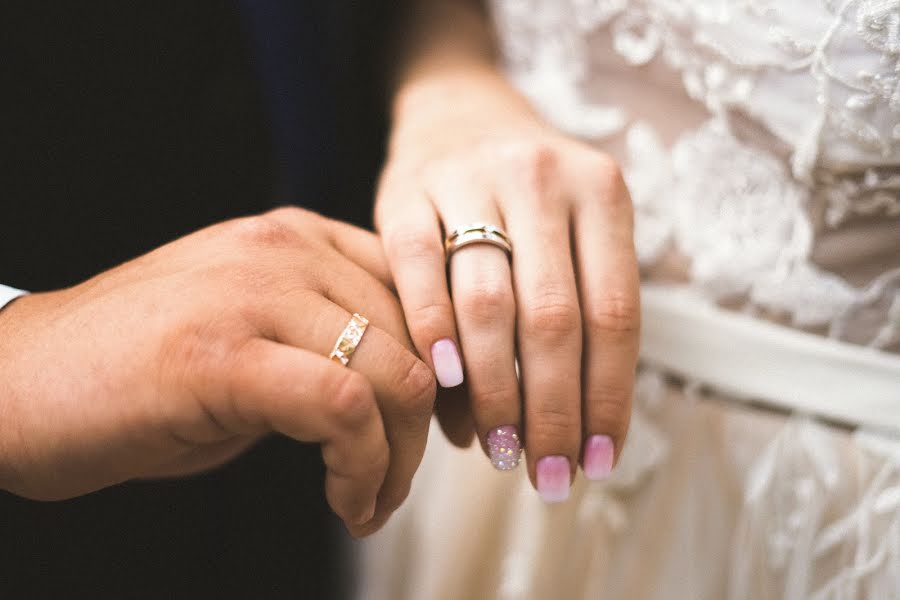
(349, 339)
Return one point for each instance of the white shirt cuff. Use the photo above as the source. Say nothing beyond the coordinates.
(8, 294)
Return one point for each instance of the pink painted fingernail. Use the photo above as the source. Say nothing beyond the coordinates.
(447, 365)
(554, 476)
(598, 457)
(504, 447)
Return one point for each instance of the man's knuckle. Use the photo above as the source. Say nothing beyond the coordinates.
(263, 231)
(352, 401)
(419, 389)
(287, 213)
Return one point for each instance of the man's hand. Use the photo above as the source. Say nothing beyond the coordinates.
(177, 361)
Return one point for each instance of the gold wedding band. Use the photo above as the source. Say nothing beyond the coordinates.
(349, 339)
(477, 233)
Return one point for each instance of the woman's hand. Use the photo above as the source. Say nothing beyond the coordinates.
(178, 360)
(466, 149)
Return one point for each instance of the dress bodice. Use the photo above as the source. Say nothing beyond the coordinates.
(760, 140)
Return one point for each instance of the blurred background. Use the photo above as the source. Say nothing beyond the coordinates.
(125, 125)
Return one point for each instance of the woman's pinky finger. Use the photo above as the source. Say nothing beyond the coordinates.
(413, 243)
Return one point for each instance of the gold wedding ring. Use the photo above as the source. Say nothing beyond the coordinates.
(349, 339)
(477, 233)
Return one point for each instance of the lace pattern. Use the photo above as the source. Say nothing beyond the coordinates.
(787, 519)
(740, 213)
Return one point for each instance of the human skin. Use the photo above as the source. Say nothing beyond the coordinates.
(466, 147)
(177, 361)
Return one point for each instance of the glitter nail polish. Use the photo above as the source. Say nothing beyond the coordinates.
(504, 447)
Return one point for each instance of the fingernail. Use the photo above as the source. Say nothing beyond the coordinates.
(554, 476)
(598, 457)
(447, 366)
(504, 447)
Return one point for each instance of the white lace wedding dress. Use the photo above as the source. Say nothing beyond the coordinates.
(761, 144)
